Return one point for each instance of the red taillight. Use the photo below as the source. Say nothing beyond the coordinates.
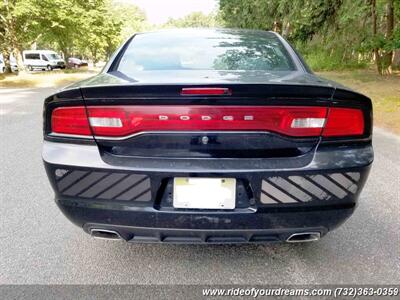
(126, 120)
(344, 122)
(205, 91)
(70, 120)
(122, 121)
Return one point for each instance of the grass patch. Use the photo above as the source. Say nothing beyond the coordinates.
(383, 90)
(54, 78)
(322, 62)
(321, 58)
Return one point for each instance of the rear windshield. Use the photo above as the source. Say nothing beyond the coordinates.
(210, 50)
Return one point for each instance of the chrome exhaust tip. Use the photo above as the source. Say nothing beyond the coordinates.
(304, 237)
(105, 234)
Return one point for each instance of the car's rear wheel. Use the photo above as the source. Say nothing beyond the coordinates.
(49, 68)
(30, 68)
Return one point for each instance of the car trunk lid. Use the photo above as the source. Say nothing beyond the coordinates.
(243, 121)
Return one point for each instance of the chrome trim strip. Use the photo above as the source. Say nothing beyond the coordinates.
(54, 134)
(97, 137)
(121, 138)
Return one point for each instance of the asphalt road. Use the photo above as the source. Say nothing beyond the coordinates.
(38, 245)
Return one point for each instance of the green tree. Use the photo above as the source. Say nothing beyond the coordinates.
(26, 22)
(69, 24)
(100, 32)
(339, 32)
(91, 27)
(195, 19)
(13, 30)
(133, 19)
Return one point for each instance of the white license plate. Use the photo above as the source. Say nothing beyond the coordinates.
(205, 193)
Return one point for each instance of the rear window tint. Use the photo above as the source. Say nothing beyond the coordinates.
(210, 50)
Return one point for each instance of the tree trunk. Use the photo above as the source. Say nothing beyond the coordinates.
(277, 26)
(18, 57)
(65, 50)
(94, 56)
(396, 59)
(6, 59)
(377, 55)
(286, 29)
(388, 56)
(11, 35)
(65, 54)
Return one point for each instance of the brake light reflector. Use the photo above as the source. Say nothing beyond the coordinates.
(131, 119)
(70, 120)
(344, 122)
(205, 91)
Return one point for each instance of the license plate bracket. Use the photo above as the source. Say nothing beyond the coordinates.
(204, 193)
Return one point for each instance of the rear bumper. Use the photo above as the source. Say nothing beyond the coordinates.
(152, 226)
(273, 203)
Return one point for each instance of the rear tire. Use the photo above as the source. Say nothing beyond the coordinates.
(30, 69)
(49, 68)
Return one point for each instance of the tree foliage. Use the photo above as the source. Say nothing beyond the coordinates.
(336, 31)
(195, 19)
(89, 28)
(133, 19)
(330, 33)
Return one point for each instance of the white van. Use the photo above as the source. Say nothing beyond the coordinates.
(42, 59)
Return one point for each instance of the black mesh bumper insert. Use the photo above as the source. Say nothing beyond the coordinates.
(103, 185)
(298, 189)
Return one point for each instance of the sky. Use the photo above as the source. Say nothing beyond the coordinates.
(159, 11)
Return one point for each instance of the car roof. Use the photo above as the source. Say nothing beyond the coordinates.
(211, 31)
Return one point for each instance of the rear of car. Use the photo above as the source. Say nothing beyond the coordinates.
(207, 136)
(13, 64)
(74, 62)
(2, 65)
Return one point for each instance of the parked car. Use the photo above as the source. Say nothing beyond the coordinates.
(2, 66)
(74, 62)
(207, 136)
(13, 63)
(43, 60)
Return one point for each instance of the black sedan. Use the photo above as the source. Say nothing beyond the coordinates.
(207, 136)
